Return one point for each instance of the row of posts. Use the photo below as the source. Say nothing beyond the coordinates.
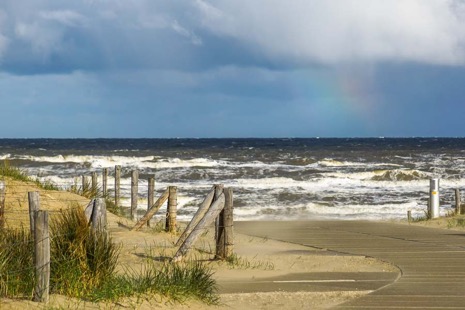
(172, 200)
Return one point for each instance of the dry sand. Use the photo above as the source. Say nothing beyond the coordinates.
(258, 258)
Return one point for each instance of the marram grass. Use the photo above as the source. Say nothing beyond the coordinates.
(15, 173)
(83, 265)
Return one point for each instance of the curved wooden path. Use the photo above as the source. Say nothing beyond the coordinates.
(432, 261)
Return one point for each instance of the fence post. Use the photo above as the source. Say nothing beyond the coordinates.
(99, 215)
(218, 191)
(150, 195)
(42, 256)
(2, 204)
(117, 184)
(84, 183)
(104, 182)
(94, 184)
(171, 210)
(228, 223)
(457, 202)
(134, 191)
(34, 205)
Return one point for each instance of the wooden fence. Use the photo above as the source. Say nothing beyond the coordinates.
(217, 207)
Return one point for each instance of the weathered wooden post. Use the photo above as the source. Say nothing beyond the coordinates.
(228, 223)
(117, 184)
(99, 215)
(41, 256)
(94, 188)
(2, 203)
(84, 184)
(150, 195)
(171, 210)
(458, 209)
(218, 191)
(134, 191)
(105, 182)
(225, 237)
(34, 205)
(409, 216)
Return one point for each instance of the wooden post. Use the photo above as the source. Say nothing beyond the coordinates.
(203, 208)
(409, 216)
(228, 223)
(84, 184)
(150, 195)
(94, 184)
(208, 219)
(99, 215)
(41, 256)
(218, 191)
(458, 202)
(105, 182)
(117, 184)
(156, 206)
(34, 205)
(171, 210)
(2, 204)
(225, 237)
(134, 191)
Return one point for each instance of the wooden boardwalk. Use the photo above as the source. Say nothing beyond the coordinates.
(432, 261)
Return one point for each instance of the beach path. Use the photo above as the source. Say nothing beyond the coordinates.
(432, 260)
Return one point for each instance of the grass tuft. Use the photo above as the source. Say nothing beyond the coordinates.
(7, 170)
(83, 264)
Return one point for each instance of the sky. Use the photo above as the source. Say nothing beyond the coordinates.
(232, 68)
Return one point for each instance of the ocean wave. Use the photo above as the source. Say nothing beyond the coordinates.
(399, 175)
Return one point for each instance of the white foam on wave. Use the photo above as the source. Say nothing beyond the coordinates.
(348, 212)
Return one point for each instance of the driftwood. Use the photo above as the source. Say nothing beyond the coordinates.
(203, 208)
(156, 206)
(208, 219)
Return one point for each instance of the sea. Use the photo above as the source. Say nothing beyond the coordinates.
(272, 179)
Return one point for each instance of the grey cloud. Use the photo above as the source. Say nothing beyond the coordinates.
(332, 32)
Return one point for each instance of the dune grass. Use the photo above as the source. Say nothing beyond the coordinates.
(83, 264)
(15, 173)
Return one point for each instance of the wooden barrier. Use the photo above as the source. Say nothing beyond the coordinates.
(41, 256)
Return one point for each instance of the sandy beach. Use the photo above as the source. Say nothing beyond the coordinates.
(258, 259)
